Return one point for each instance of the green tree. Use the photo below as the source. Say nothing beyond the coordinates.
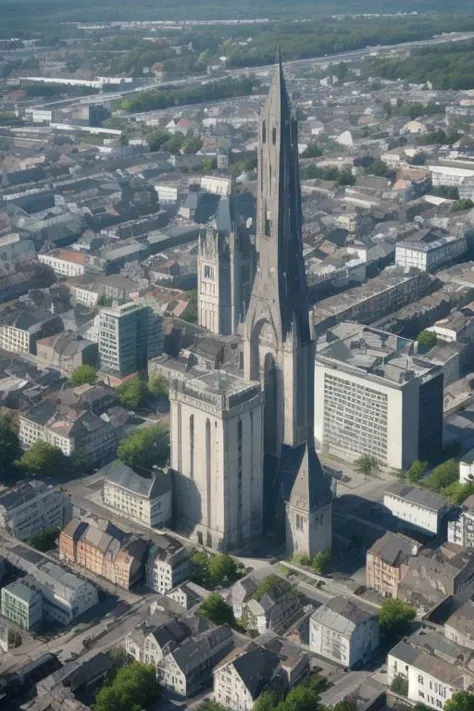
(457, 493)
(42, 460)
(367, 464)
(223, 569)
(345, 705)
(380, 168)
(427, 339)
(267, 701)
(134, 688)
(462, 205)
(146, 447)
(132, 392)
(45, 540)
(395, 617)
(215, 609)
(416, 471)
(82, 375)
(442, 476)
(300, 698)
(10, 449)
(400, 686)
(159, 386)
(208, 165)
(268, 584)
(460, 701)
(210, 705)
(321, 562)
(312, 151)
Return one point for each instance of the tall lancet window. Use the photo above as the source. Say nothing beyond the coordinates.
(208, 473)
(191, 446)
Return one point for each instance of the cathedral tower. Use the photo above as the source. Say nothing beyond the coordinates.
(278, 346)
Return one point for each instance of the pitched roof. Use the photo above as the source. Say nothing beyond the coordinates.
(256, 668)
(342, 614)
(125, 477)
(305, 485)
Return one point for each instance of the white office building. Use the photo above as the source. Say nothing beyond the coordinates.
(374, 396)
(419, 508)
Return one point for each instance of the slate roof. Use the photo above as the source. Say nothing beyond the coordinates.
(416, 495)
(196, 650)
(305, 485)
(119, 474)
(342, 615)
(393, 548)
(256, 669)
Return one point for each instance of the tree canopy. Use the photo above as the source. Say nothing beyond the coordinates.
(395, 617)
(367, 464)
(159, 386)
(43, 460)
(216, 569)
(416, 471)
(442, 476)
(134, 688)
(82, 375)
(10, 448)
(132, 392)
(427, 339)
(216, 610)
(460, 701)
(146, 447)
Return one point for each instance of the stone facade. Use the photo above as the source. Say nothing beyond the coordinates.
(216, 452)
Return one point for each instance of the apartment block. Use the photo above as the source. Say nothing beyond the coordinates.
(32, 507)
(22, 603)
(71, 429)
(344, 631)
(144, 499)
(432, 667)
(129, 336)
(104, 550)
(69, 263)
(375, 396)
(168, 563)
(386, 563)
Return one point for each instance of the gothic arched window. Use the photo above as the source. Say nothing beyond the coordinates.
(264, 131)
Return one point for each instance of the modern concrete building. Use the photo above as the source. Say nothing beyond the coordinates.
(142, 498)
(22, 603)
(418, 508)
(374, 396)
(217, 457)
(386, 563)
(30, 508)
(432, 668)
(65, 596)
(344, 631)
(129, 335)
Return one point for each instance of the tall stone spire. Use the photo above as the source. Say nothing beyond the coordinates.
(278, 348)
(281, 280)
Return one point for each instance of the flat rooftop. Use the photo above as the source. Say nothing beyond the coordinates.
(369, 351)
